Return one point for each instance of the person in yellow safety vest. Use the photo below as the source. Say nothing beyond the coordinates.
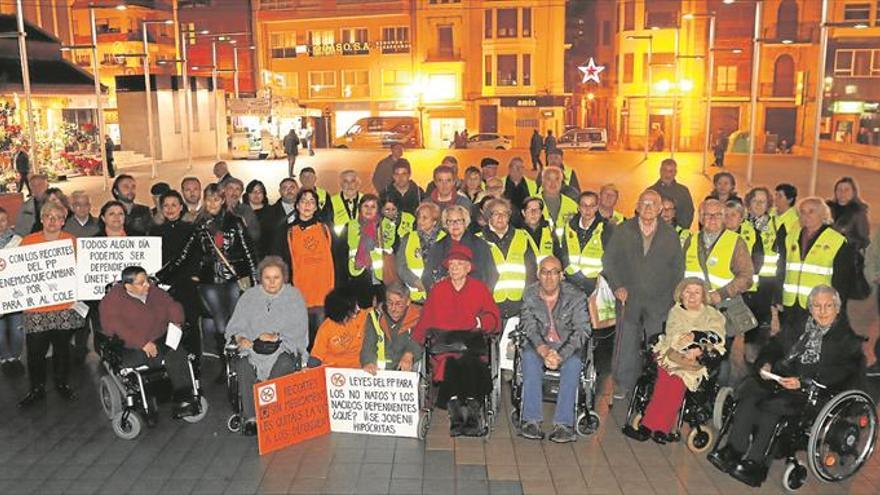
(669, 216)
(342, 208)
(558, 208)
(544, 240)
(387, 344)
(784, 215)
(757, 203)
(718, 256)
(814, 254)
(409, 257)
(395, 224)
(570, 185)
(584, 241)
(608, 196)
(518, 187)
(309, 179)
(365, 253)
(512, 254)
(734, 216)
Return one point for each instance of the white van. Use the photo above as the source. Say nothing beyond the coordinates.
(590, 138)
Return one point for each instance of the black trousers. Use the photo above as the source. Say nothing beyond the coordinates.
(37, 346)
(759, 409)
(465, 376)
(175, 364)
(247, 377)
(316, 317)
(23, 182)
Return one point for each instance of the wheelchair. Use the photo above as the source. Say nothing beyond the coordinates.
(586, 418)
(698, 409)
(438, 343)
(838, 432)
(130, 395)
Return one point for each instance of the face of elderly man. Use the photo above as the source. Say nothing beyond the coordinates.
(587, 207)
(649, 207)
(140, 286)
(552, 182)
(232, 192)
(515, 170)
(712, 217)
(396, 305)
(823, 308)
(550, 275)
(349, 184)
(811, 216)
(499, 218)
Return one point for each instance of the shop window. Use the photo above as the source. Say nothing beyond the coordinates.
(857, 63)
(506, 73)
(527, 69)
(322, 84)
(282, 44)
(355, 84)
(487, 81)
(487, 24)
(725, 79)
(628, 69)
(395, 39)
(857, 12)
(507, 20)
(783, 76)
(527, 22)
(395, 82)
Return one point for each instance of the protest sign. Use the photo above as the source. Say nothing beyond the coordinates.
(506, 345)
(291, 409)
(100, 261)
(385, 404)
(37, 275)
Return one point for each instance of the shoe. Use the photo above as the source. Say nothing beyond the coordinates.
(34, 396)
(659, 437)
(475, 425)
(750, 473)
(16, 368)
(6, 367)
(562, 434)
(185, 409)
(532, 431)
(725, 458)
(250, 428)
(639, 435)
(66, 392)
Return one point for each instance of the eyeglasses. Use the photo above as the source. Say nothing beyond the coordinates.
(455, 221)
(550, 273)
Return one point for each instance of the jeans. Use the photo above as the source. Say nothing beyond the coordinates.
(533, 394)
(219, 300)
(11, 336)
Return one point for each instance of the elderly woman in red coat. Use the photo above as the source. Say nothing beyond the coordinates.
(463, 305)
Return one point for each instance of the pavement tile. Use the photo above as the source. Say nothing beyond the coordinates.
(503, 472)
(306, 486)
(505, 488)
(84, 486)
(534, 471)
(438, 487)
(373, 486)
(339, 486)
(472, 487)
(471, 473)
(407, 471)
(376, 470)
(179, 486)
(538, 487)
(405, 486)
(51, 487)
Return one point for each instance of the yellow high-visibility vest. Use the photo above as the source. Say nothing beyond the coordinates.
(749, 235)
(340, 213)
(790, 219)
(586, 260)
(717, 261)
(683, 234)
(415, 261)
(511, 268)
(376, 254)
(567, 209)
(803, 273)
(531, 185)
(381, 362)
(771, 257)
(322, 197)
(544, 247)
(391, 232)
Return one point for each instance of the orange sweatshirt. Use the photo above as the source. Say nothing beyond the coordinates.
(338, 345)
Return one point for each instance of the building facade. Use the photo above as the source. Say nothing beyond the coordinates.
(52, 16)
(480, 65)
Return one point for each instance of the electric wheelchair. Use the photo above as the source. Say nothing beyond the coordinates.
(698, 409)
(838, 432)
(586, 418)
(480, 345)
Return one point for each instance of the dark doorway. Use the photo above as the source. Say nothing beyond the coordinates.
(781, 122)
(488, 118)
(322, 128)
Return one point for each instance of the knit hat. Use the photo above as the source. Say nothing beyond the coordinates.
(458, 251)
(488, 162)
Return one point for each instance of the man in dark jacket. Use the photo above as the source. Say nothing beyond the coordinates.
(138, 218)
(677, 192)
(402, 190)
(383, 175)
(28, 219)
(279, 216)
(535, 145)
(23, 167)
(820, 348)
(109, 147)
(291, 149)
(556, 325)
(643, 263)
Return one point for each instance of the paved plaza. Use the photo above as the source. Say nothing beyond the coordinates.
(60, 447)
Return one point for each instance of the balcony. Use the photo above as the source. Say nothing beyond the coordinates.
(778, 90)
(391, 47)
(787, 34)
(443, 55)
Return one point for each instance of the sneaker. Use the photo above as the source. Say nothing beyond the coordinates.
(563, 434)
(532, 431)
(34, 396)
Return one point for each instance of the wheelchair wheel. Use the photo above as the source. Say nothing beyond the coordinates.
(722, 408)
(203, 411)
(514, 420)
(127, 425)
(111, 397)
(587, 423)
(700, 439)
(794, 476)
(843, 436)
(233, 424)
(424, 424)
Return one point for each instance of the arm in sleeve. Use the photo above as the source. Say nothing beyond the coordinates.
(574, 183)
(742, 268)
(108, 317)
(368, 344)
(238, 323)
(685, 210)
(612, 265)
(175, 310)
(530, 325)
(531, 262)
(403, 272)
(844, 270)
(167, 272)
(489, 314)
(846, 373)
(580, 320)
(861, 234)
(872, 260)
(780, 247)
(247, 247)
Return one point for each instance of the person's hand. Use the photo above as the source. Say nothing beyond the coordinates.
(621, 294)
(714, 297)
(268, 337)
(774, 323)
(694, 353)
(150, 350)
(790, 383)
(543, 350)
(552, 360)
(766, 369)
(245, 343)
(371, 368)
(406, 362)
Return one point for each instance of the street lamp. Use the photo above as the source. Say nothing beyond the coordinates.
(26, 83)
(650, 39)
(148, 90)
(184, 74)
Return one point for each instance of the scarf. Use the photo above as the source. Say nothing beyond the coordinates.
(427, 240)
(369, 240)
(808, 349)
(5, 237)
(761, 223)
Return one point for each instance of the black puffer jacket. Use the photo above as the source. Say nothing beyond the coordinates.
(851, 220)
(211, 269)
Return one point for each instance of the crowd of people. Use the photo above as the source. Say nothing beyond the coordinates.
(366, 279)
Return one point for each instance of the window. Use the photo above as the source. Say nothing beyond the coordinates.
(286, 83)
(527, 22)
(857, 12)
(355, 41)
(488, 68)
(661, 14)
(606, 33)
(395, 77)
(725, 79)
(507, 23)
(283, 44)
(487, 21)
(629, 15)
(322, 84)
(444, 41)
(527, 69)
(628, 63)
(506, 73)
(395, 39)
(857, 63)
(322, 42)
(355, 84)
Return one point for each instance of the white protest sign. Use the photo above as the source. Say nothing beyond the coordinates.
(37, 275)
(100, 261)
(506, 346)
(385, 404)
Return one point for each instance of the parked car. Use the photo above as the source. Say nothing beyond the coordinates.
(591, 138)
(381, 132)
(489, 141)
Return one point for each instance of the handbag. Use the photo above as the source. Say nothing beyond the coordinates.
(244, 283)
(861, 289)
(739, 318)
(266, 347)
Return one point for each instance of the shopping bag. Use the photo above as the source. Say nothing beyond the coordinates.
(603, 312)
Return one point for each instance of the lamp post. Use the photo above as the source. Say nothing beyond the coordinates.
(710, 62)
(674, 134)
(650, 39)
(214, 86)
(756, 80)
(26, 84)
(820, 93)
(148, 91)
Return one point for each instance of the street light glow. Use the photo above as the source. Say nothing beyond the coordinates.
(685, 85)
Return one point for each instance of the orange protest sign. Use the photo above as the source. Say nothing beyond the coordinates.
(291, 409)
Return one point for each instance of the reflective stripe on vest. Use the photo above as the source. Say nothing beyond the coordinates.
(544, 247)
(567, 209)
(415, 261)
(392, 231)
(511, 268)
(749, 235)
(789, 219)
(380, 340)
(816, 268)
(587, 261)
(683, 234)
(322, 197)
(340, 213)
(377, 254)
(717, 261)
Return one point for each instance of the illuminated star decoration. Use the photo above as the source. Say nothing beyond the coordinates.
(591, 71)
